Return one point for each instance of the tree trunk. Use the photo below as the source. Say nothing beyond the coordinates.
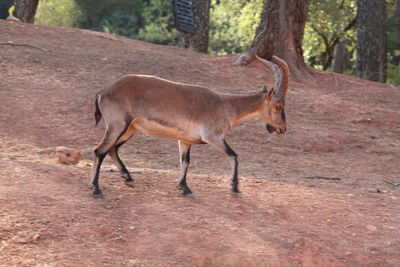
(371, 40)
(396, 15)
(25, 10)
(198, 41)
(281, 34)
(342, 59)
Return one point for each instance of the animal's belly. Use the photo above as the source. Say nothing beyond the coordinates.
(152, 127)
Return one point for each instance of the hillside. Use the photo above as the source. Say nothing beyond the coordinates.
(324, 194)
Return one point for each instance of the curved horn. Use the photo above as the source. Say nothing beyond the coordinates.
(281, 75)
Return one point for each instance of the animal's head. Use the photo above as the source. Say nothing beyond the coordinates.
(273, 111)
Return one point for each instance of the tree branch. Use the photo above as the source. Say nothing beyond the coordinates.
(320, 33)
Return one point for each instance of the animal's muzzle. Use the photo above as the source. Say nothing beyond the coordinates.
(270, 128)
(278, 130)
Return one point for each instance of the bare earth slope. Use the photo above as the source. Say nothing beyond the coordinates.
(324, 194)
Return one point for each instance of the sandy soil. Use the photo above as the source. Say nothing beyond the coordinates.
(325, 194)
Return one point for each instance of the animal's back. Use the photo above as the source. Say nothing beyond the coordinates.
(162, 107)
(149, 93)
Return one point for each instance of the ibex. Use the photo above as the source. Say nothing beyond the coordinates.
(191, 114)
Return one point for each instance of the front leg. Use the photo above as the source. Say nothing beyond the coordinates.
(220, 145)
(184, 159)
(234, 167)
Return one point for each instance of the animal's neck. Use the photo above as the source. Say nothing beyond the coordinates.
(243, 106)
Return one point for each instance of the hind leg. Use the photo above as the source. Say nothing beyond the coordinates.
(111, 136)
(117, 160)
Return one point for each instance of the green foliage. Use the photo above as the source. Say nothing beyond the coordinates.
(158, 33)
(114, 16)
(121, 23)
(11, 10)
(58, 13)
(391, 31)
(158, 22)
(393, 71)
(151, 21)
(327, 20)
(233, 24)
(393, 74)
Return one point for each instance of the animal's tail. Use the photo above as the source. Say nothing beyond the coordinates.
(97, 113)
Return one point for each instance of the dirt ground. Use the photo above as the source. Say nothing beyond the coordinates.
(324, 194)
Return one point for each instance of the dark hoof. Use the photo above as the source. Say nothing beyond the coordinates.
(235, 189)
(97, 193)
(130, 183)
(187, 191)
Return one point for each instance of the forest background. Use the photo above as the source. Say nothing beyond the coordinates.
(330, 32)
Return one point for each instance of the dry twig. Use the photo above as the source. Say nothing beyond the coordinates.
(395, 185)
(324, 178)
(26, 45)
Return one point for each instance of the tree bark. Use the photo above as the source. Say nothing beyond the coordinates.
(198, 41)
(25, 10)
(342, 58)
(371, 40)
(281, 34)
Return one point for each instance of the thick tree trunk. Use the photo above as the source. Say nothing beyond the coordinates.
(342, 59)
(396, 15)
(281, 34)
(198, 41)
(371, 40)
(25, 10)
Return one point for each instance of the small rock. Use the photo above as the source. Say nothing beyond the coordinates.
(36, 238)
(67, 156)
(301, 242)
(374, 190)
(371, 250)
(104, 230)
(12, 18)
(348, 253)
(372, 228)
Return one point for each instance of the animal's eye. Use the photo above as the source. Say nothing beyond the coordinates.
(278, 107)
